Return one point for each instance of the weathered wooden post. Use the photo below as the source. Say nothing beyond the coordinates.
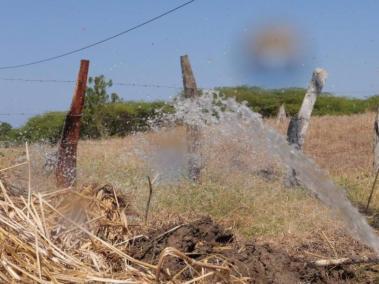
(376, 158)
(376, 142)
(193, 131)
(282, 115)
(65, 171)
(299, 124)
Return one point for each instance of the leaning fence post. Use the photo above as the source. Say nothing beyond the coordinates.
(299, 124)
(376, 158)
(376, 142)
(193, 131)
(66, 165)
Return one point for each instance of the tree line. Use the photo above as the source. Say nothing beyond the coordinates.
(107, 114)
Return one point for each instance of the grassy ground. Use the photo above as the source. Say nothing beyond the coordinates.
(344, 146)
(254, 206)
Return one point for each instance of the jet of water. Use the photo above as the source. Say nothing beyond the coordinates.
(226, 119)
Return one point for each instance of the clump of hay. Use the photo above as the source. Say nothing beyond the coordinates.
(84, 235)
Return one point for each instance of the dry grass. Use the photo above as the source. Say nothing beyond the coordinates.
(343, 145)
(252, 206)
(83, 236)
(340, 144)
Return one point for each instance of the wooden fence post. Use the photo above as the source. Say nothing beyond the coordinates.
(281, 115)
(193, 131)
(376, 142)
(376, 158)
(299, 124)
(66, 165)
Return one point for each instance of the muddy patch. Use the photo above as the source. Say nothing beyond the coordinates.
(258, 263)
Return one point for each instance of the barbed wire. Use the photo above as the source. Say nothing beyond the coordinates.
(27, 113)
(51, 113)
(162, 86)
(143, 85)
(36, 80)
(126, 84)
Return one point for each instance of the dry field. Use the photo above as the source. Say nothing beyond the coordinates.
(343, 145)
(340, 144)
(253, 207)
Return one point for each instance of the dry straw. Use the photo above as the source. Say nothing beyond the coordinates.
(70, 236)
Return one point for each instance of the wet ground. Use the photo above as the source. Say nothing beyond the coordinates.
(259, 263)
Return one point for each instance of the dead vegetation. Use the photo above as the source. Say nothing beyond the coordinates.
(344, 146)
(81, 236)
(91, 235)
(271, 228)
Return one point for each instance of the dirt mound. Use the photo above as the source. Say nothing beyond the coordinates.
(198, 238)
(258, 263)
(93, 235)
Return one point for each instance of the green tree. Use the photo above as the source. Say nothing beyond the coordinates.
(5, 129)
(97, 93)
(97, 97)
(46, 127)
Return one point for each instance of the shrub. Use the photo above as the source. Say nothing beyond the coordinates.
(46, 127)
(267, 102)
(110, 119)
(5, 130)
(107, 115)
(119, 119)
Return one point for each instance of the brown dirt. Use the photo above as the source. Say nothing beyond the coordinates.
(260, 263)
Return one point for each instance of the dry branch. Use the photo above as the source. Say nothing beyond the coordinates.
(346, 261)
(149, 198)
(372, 190)
(192, 263)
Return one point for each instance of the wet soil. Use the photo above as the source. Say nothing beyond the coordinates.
(259, 263)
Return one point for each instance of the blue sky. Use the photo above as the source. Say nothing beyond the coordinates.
(341, 36)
